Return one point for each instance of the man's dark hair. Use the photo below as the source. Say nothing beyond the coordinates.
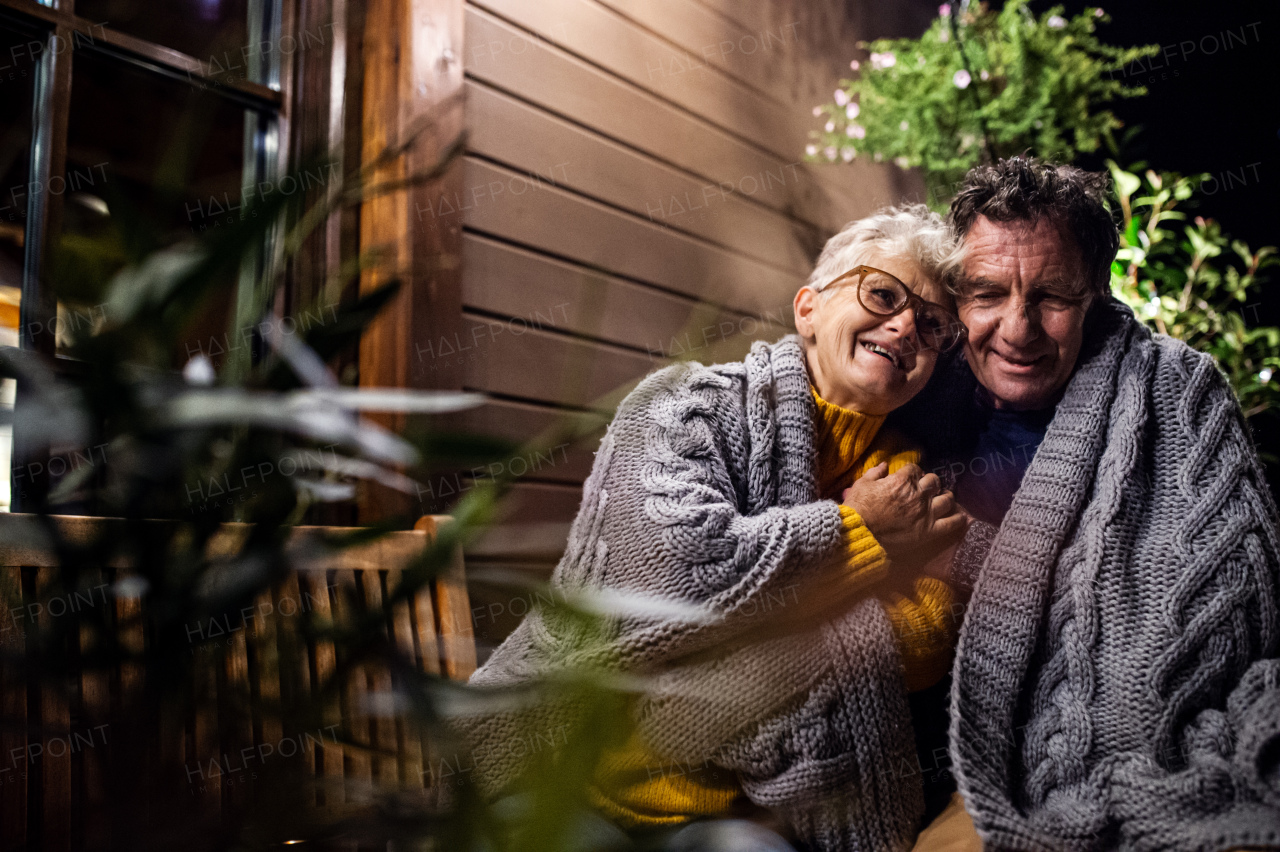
(1026, 189)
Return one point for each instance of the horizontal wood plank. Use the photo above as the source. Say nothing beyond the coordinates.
(504, 204)
(796, 53)
(747, 16)
(26, 541)
(554, 444)
(502, 593)
(551, 77)
(534, 524)
(534, 542)
(549, 367)
(543, 293)
(569, 156)
(700, 39)
(535, 503)
(607, 40)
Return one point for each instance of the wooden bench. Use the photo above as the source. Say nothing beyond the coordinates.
(65, 742)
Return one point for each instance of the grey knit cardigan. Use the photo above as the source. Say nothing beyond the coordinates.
(703, 492)
(1117, 684)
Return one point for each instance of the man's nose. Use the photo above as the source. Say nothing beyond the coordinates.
(1020, 323)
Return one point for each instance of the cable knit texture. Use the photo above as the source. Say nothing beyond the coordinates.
(1117, 683)
(635, 788)
(704, 492)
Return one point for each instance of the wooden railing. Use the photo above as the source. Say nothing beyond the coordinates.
(57, 764)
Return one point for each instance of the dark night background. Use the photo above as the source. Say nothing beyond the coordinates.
(1206, 111)
(1211, 112)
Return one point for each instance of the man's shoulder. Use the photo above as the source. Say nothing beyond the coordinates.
(1178, 351)
(1181, 370)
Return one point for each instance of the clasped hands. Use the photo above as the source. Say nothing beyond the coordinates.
(913, 519)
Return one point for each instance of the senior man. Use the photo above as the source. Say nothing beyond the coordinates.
(1117, 682)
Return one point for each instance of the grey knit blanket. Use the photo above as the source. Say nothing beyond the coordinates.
(703, 492)
(1117, 683)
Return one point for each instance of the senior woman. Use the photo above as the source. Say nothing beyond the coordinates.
(766, 493)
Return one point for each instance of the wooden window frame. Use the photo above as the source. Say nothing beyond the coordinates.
(64, 33)
(327, 99)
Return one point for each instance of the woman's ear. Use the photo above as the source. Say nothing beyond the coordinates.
(805, 304)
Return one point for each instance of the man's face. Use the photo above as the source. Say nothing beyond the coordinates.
(861, 361)
(1023, 298)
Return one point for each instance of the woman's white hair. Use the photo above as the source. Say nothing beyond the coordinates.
(909, 231)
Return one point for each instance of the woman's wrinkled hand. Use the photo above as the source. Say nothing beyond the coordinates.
(907, 512)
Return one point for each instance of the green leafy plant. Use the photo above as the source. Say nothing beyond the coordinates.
(1190, 280)
(977, 85)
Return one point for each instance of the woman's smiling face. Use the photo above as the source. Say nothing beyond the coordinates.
(861, 361)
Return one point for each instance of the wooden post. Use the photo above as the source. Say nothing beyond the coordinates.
(411, 96)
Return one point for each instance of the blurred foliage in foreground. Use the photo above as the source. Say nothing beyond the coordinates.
(142, 666)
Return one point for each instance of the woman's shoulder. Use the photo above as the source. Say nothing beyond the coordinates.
(687, 381)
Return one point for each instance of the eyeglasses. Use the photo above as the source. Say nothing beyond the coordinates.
(885, 296)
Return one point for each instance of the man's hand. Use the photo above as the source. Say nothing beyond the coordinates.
(908, 512)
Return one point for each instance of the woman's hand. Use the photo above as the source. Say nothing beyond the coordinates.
(907, 511)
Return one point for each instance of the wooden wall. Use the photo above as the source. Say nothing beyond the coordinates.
(633, 191)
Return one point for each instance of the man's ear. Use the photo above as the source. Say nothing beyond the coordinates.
(806, 302)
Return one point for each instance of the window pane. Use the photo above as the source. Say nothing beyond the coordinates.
(17, 74)
(7, 389)
(151, 161)
(16, 78)
(213, 31)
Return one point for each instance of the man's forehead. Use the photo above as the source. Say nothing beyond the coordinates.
(1037, 252)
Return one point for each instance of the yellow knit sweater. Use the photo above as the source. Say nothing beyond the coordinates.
(638, 790)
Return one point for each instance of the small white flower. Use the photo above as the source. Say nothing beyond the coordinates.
(842, 97)
(817, 111)
(944, 36)
(984, 75)
(855, 65)
(901, 162)
(1265, 375)
(879, 156)
(962, 79)
(903, 126)
(920, 61)
(944, 10)
(1037, 124)
(883, 60)
(852, 110)
(830, 127)
(848, 154)
(966, 141)
(857, 131)
(1057, 22)
(811, 150)
(831, 153)
(1098, 13)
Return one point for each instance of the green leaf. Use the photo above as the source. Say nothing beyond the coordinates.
(1127, 183)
